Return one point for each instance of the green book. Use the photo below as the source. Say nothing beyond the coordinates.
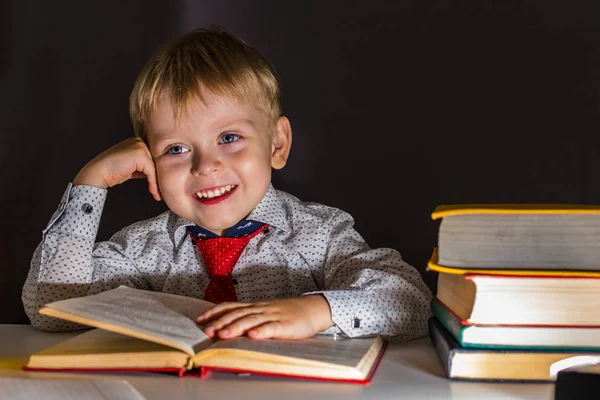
(516, 336)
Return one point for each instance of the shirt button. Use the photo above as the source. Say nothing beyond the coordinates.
(87, 208)
(356, 323)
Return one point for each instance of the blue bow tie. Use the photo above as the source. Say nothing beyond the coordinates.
(242, 228)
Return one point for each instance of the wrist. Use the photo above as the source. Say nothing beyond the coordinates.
(321, 312)
(84, 177)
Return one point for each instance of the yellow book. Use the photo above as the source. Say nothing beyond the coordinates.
(495, 300)
(518, 239)
(140, 330)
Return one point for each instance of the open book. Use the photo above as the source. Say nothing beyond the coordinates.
(152, 331)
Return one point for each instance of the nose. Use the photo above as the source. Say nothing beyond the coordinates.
(205, 163)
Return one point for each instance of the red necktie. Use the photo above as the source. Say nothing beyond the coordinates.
(220, 255)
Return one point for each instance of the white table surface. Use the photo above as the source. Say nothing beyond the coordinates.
(409, 370)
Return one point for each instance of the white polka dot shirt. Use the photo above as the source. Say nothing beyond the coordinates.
(309, 248)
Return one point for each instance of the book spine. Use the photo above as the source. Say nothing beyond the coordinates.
(442, 347)
(450, 322)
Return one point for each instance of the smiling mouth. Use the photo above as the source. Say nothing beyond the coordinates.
(215, 193)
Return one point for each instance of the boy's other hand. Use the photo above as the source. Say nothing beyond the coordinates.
(296, 318)
(126, 160)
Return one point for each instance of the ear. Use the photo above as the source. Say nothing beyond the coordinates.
(282, 143)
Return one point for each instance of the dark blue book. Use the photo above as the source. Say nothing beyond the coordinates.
(492, 364)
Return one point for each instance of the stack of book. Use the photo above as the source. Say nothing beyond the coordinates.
(518, 289)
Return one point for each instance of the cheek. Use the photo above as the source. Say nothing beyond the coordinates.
(252, 160)
(254, 169)
(169, 179)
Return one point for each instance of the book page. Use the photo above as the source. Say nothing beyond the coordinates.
(520, 241)
(160, 317)
(66, 389)
(320, 348)
(101, 349)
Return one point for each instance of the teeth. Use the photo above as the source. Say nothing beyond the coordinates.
(209, 194)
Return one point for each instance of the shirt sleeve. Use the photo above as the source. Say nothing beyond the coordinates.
(68, 263)
(372, 291)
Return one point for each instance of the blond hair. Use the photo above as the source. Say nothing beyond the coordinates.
(212, 60)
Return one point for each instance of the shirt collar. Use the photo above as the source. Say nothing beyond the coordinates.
(270, 210)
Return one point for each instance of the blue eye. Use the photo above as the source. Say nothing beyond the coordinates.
(229, 138)
(177, 150)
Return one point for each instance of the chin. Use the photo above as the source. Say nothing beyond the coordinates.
(218, 226)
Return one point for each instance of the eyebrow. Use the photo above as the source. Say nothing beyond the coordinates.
(241, 121)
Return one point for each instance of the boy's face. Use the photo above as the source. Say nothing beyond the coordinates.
(214, 163)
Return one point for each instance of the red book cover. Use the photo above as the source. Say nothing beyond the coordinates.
(204, 372)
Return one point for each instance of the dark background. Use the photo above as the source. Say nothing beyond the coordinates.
(396, 107)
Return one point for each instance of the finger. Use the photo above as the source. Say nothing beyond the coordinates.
(223, 322)
(269, 330)
(152, 178)
(156, 194)
(231, 316)
(242, 325)
(214, 328)
(219, 310)
(149, 170)
(146, 166)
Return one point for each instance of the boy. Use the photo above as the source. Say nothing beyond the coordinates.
(207, 116)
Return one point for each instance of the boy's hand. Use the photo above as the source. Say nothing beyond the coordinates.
(296, 318)
(126, 160)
